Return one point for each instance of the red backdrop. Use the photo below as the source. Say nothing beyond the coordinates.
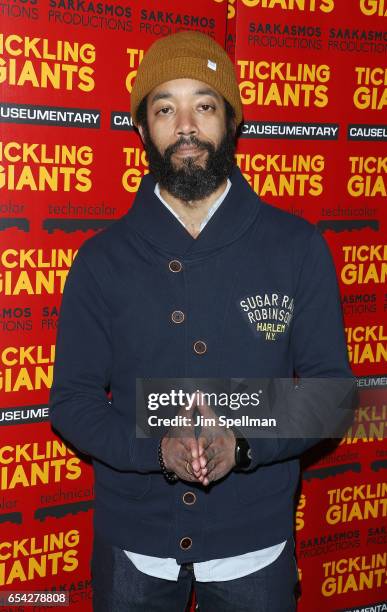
(313, 81)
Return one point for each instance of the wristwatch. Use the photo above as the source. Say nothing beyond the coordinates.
(242, 452)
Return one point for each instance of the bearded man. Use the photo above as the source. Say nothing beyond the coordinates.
(198, 279)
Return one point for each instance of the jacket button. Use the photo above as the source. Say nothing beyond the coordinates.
(200, 347)
(177, 316)
(185, 543)
(175, 266)
(189, 498)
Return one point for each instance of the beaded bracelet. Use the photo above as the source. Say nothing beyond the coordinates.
(169, 476)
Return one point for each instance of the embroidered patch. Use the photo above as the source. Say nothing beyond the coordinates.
(211, 65)
(269, 314)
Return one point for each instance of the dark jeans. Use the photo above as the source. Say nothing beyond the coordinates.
(118, 586)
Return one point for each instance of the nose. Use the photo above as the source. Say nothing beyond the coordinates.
(185, 123)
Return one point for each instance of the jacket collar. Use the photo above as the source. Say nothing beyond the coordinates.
(157, 225)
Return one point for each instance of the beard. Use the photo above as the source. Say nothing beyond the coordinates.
(190, 181)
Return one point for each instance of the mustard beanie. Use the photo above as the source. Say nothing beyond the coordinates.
(190, 55)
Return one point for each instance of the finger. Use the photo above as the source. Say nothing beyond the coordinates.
(195, 449)
(215, 474)
(204, 471)
(205, 481)
(202, 459)
(203, 443)
(191, 446)
(204, 408)
(183, 474)
(185, 410)
(183, 459)
(196, 465)
(210, 453)
(197, 469)
(210, 467)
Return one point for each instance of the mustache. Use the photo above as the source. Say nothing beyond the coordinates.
(191, 182)
(191, 140)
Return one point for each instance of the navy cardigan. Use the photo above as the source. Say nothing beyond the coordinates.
(115, 325)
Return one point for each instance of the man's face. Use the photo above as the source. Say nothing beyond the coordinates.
(189, 145)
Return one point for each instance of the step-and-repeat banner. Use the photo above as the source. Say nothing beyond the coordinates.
(313, 78)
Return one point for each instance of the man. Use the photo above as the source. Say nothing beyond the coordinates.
(176, 288)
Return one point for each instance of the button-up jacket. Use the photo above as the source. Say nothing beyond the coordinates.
(116, 325)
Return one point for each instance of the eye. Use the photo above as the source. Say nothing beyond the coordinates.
(207, 107)
(163, 111)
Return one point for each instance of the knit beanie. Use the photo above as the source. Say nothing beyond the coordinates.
(190, 55)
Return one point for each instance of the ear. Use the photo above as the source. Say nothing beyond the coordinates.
(141, 131)
(233, 126)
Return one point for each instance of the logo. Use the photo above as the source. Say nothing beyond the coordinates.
(269, 314)
(279, 174)
(371, 92)
(271, 83)
(46, 63)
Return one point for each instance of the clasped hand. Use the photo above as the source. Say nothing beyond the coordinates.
(204, 459)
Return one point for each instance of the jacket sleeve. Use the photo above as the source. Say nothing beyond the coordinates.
(324, 398)
(79, 407)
